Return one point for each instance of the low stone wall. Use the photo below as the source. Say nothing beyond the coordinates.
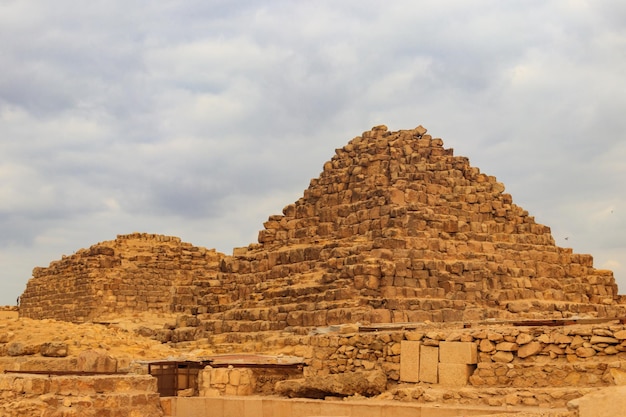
(505, 356)
(85, 396)
(216, 382)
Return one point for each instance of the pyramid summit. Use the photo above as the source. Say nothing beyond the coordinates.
(395, 229)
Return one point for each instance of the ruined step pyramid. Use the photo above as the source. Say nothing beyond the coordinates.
(397, 229)
(138, 272)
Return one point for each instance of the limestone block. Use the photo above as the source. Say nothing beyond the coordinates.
(458, 352)
(96, 360)
(501, 356)
(529, 349)
(409, 361)
(609, 402)
(455, 374)
(603, 339)
(428, 367)
(219, 376)
(524, 338)
(54, 349)
(507, 347)
(585, 352)
(621, 334)
(487, 346)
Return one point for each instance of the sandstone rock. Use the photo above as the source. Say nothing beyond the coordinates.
(529, 349)
(519, 306)
(96, 360)
(183, 334)
(486, 346)
(54, 349)
(603, 339)
(562, 339)
(507, 346)
(21, 349)
(145, 331)
(502, 356)
(523, 338)
(495, 337)
(621, 335)
(608, 402)
(585, 352)
(346, 384)
(577, 341)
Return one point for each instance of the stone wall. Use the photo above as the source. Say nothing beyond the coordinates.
(86, 396)
(589, 355)
(216, 382)
(486, 364)
(133, 273)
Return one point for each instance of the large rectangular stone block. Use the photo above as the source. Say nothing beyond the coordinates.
(334, 408)
(458, 352)
(429, 359)
(365, 410)
(455, 374)
(409, 361)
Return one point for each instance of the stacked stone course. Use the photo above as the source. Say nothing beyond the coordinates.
(86, 396)
(495, 365)
(397, 229)
(507, 356)
(133, 273)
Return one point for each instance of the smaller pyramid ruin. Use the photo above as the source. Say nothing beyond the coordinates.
(138, 272)
(395, 229)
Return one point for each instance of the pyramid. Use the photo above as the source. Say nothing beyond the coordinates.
(138, 272)
(398, 229)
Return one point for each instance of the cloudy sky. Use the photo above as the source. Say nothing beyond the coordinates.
(199, 119)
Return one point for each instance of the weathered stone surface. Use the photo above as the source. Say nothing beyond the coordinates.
(585, 352)
(43, 395)
(96, 360)
(529, 349)
(521, 306)
(54, 349)
(609, 402)
(523, 338)
(350, 383)
(502, 356)
(486, 345)
(621, 335)
(507, 346)
(603, 339)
